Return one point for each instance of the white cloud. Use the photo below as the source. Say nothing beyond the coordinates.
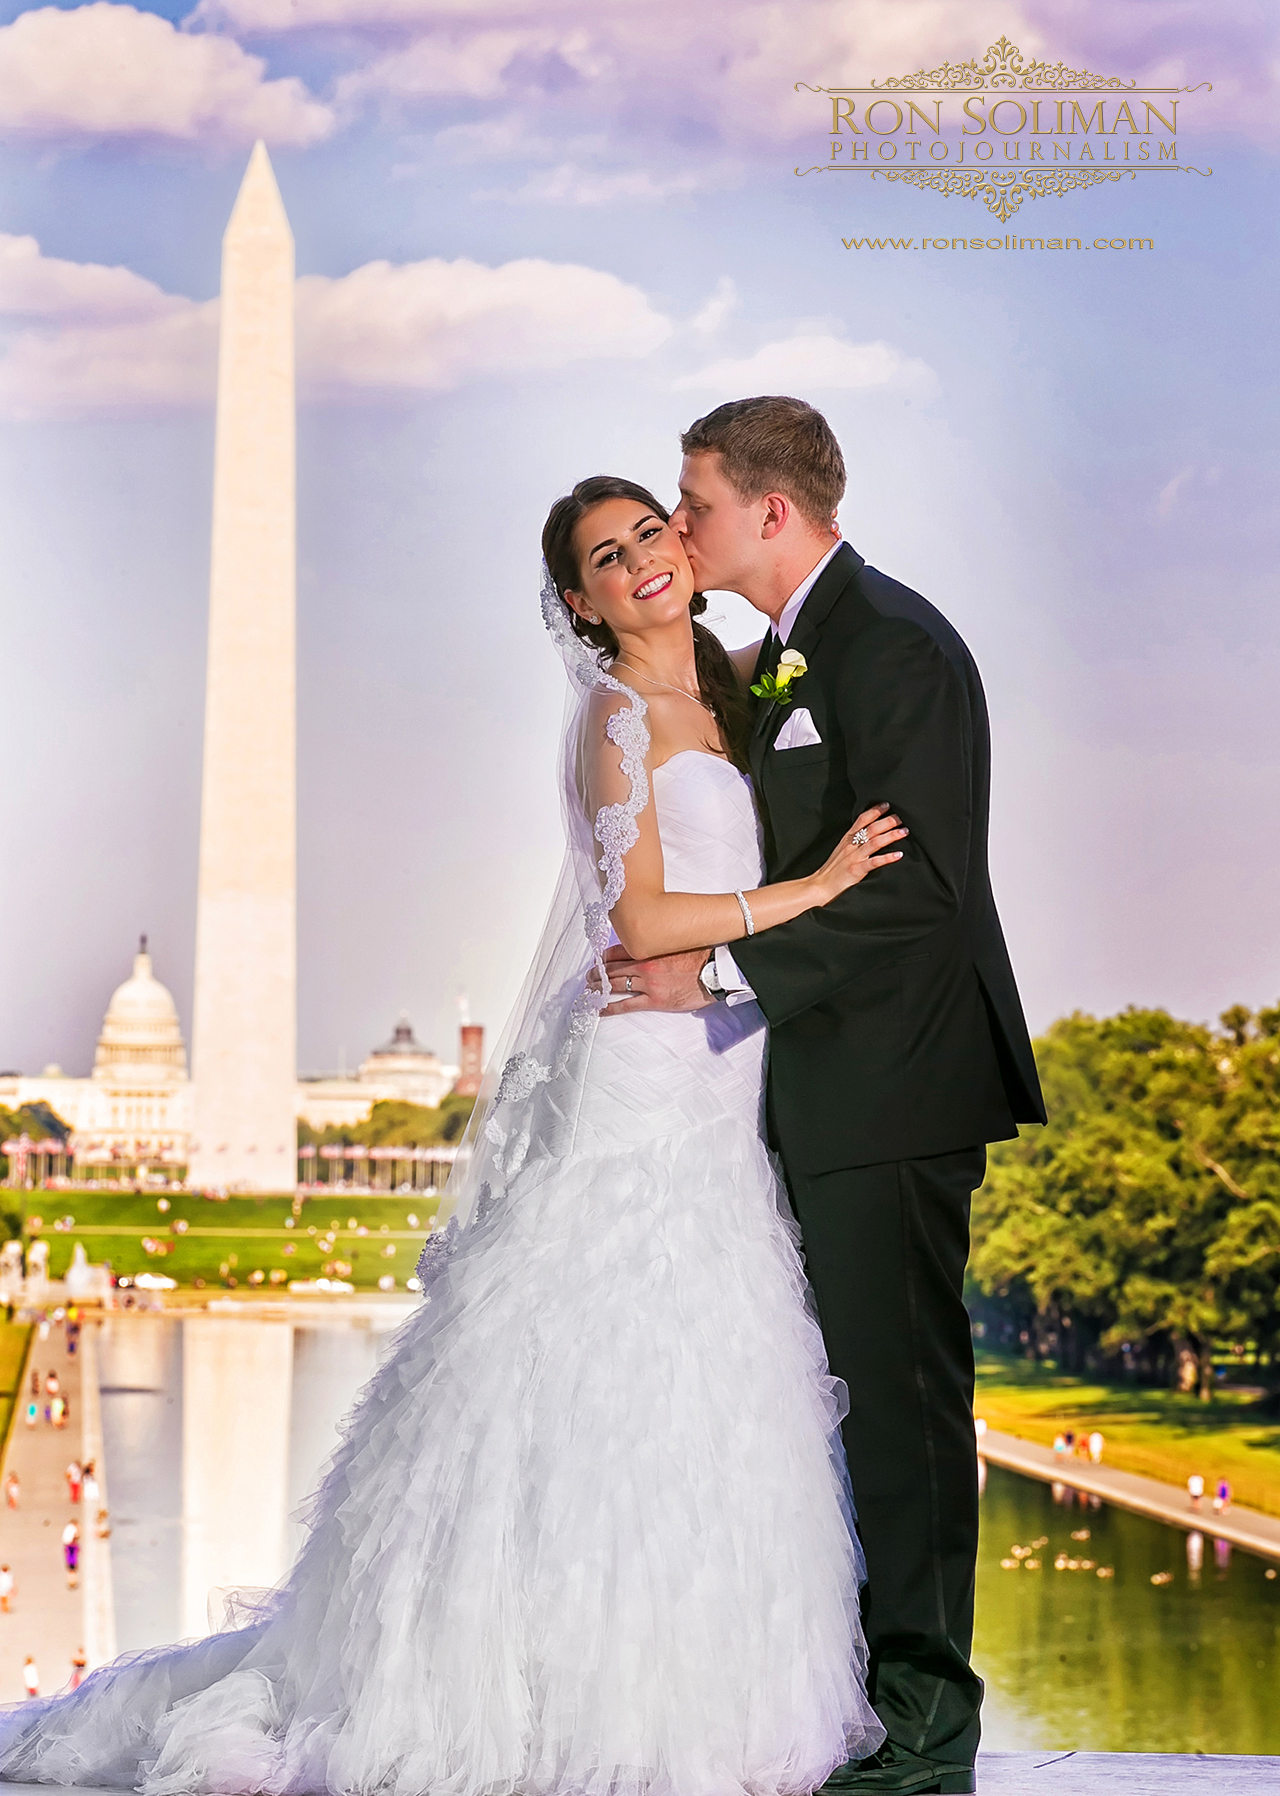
(470, 66)
(1171, 491)
(278, 16)
(809, 363)
(731, 67)
(567, 184)
(98, 339)
(111, 71)
(95, 340)
(426, 326)
(162, 364)
(716, 308)
(36, 286)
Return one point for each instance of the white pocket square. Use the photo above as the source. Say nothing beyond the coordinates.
(797, 731)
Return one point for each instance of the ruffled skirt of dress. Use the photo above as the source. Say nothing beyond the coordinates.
(587, 1532)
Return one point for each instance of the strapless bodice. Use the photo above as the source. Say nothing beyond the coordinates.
(654, 1073)
(707, 821)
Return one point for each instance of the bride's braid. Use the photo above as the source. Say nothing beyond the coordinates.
(718, 682)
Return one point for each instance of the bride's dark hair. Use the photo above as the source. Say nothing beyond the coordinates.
(717, 679)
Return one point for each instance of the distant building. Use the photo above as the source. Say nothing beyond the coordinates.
(471, 1058)
(136, 1106)
(401, 1070)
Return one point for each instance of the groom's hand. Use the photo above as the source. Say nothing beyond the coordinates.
(670, 983)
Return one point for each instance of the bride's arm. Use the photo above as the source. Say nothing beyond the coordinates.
(650, 921)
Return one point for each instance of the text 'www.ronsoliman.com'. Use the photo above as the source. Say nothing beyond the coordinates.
(997, 243)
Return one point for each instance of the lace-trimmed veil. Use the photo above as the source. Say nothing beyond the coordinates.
(528, 1102)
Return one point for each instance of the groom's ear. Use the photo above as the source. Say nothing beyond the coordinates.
(776, 514)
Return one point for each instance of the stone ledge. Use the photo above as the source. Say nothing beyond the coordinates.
(1125, 1774)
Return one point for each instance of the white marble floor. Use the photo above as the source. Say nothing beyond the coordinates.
(1031, 1773)
(1125, 1774)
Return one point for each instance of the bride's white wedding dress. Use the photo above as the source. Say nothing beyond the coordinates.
(587, 1533)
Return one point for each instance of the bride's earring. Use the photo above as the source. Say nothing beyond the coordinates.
(593, 619)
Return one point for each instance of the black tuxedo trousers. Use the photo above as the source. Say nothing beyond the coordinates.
(885, 1248)
(897, 1050)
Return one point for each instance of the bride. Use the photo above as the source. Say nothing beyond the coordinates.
(588, 1530)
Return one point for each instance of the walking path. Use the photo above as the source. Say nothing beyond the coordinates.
(47, 1618)
(1246, 1528)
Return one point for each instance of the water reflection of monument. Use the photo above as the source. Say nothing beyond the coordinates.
(215, 1428)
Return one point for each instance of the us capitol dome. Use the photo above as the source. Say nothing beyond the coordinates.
(136, 1103)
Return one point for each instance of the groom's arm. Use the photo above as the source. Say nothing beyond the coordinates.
(907, 727)
(905, 718)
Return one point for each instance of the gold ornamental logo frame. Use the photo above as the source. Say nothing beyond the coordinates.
(1003, 72)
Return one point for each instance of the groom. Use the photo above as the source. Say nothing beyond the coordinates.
(897, 1048)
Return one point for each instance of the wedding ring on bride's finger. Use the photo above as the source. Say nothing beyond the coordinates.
(626, 986)
(859, 838)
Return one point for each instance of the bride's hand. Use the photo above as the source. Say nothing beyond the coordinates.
(858, 852)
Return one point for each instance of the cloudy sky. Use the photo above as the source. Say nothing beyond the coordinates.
(536, 237)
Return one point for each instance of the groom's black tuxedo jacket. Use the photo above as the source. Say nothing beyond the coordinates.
(896, 1030)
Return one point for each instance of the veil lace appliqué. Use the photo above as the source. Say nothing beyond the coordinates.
(524, 1110)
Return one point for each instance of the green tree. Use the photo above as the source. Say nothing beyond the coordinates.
(1146, 1215)
(395, 1124)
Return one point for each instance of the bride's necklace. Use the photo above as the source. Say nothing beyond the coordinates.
(683, 690)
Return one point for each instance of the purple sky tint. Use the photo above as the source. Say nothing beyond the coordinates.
(1072, 453)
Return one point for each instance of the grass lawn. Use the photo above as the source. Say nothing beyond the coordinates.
(13, 1346)
(225, 1242)
(1161, 1434)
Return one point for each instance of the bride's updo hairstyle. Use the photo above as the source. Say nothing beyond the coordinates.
(718, 681)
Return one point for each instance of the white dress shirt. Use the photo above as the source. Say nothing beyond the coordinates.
(727, 971)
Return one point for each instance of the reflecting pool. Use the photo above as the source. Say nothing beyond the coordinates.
(215, 1428)
(1176, 1650)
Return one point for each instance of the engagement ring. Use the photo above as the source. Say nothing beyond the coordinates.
(860, 838)
(627, 985)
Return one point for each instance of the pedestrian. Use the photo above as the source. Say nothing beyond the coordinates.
(1195, 1489)
(6, 1590)
(71, 1552)
(75, 1476)
(79, 1664)
(33, 1414)
(12, 1489)
(90, 1484)
(1059, 1442)
(35, 1382)
(59, 1415)
(1069, 1441)
(1096, 1444)
(30, 1676)
(51, 1384)
(1222, 1497)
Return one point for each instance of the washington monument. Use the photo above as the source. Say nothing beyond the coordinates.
(244, 1027)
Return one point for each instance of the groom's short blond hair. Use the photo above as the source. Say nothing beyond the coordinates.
(774, 445)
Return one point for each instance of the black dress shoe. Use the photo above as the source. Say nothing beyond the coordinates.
(896, 1771)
